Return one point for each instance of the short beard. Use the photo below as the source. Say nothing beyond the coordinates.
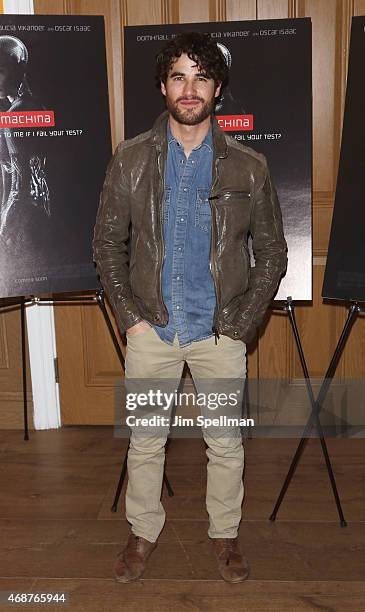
(190, 116)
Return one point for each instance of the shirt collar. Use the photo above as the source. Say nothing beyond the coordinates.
(208, 140)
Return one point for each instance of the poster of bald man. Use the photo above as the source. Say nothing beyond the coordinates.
(54, 148)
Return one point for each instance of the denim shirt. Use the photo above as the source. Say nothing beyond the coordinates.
(187, 283)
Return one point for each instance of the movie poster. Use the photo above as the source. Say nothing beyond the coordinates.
(345, 269)
(267, 106)
(54, 148)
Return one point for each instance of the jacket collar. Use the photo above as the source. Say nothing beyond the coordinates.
(158, 135)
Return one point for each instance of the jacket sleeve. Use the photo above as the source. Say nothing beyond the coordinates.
(110, 244)
(269, 248)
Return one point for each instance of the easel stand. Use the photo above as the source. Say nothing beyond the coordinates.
(316, 405)
(98, 298)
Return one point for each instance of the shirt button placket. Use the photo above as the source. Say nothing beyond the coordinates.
(186, 173)
(187, 247)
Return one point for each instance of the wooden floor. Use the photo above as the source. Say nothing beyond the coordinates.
(58, 534)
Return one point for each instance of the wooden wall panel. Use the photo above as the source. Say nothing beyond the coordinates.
(272, 9)
(191, 11)
(217, 10)
(354, 366)
(116, 101)
(275, 348)
(359, 7)
(170, 11)
(329, 48)
(324, 14)
(322, 217)
(87, 390)
(51, 7)
(11, 390)
(4, 354)
(237, 10)
(141, 12)
(100, 358)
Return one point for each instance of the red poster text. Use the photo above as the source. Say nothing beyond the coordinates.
(235, 123)
(27, 119)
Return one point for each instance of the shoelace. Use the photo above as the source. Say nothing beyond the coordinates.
(135, 541)
(230, 548)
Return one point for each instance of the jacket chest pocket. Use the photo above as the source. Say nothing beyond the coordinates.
(233, 209)
(203, 214)
(230, 196)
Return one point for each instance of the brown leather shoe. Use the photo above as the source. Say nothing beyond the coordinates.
(232, 565)
(132, 561)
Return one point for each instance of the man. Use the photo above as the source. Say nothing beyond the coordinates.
(181, 285)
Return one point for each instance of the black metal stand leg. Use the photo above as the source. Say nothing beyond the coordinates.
(290, 474)
(316, 407)
(165, 480)
(331, 476)
(120, 483)
(169, 488)
(354, 310)
(298, 453)
(24, 368)
(101, 303)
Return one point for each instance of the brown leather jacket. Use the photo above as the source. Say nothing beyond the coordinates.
(128, 240)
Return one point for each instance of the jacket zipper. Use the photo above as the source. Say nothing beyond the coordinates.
(160, 208)
(226, 195)
(211, 254)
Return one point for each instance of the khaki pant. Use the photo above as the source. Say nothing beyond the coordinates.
(149, 357)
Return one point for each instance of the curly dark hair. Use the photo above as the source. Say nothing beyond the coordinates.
(200, 48)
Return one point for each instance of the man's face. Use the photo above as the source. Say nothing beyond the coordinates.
(190, 94)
